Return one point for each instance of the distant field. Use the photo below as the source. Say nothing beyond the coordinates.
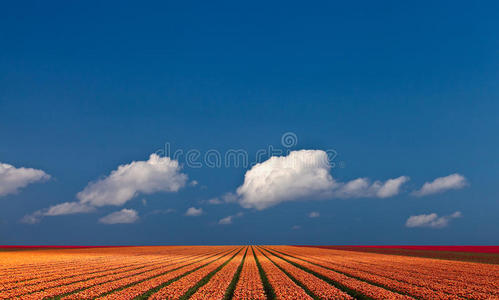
(483, 254)
(239, 272)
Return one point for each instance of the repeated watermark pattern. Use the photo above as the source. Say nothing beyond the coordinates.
(240, 158)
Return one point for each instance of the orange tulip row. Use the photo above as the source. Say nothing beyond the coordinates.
(283, 286)
(142, 287)
(77, 274)
(40, 271)
(63, 264)
(22, 262)
(63, 286)
(218, 284)
(109, 286)
(319, 287)
(362, 287)
(178, 288)
(25, 261)
(168, 272)
(408, 282)
(457, 271)
(97, 285)
(444, 286)
(249, 285)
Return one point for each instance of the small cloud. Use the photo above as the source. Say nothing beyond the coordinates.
(144, 201)
(12, 179)
(214, 201)
(442, 184)
(363, 187)
(391, 187)
(193, 183)
(194, 212)
(296, 227)
(228, 220)
(431, 220)
(65, 208)
(314, 214)
(32, 218)
(124, 216)
(68, 208)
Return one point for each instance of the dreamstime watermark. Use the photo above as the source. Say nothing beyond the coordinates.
(240, 158)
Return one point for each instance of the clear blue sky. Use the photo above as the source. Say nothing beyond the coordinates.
(395, 88)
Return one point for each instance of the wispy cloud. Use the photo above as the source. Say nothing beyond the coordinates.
(314, 214)
(65, 208)
(12, 179)
(431, 220)
(442, 184)
(228, 220)
(124, 216)
(214, 201)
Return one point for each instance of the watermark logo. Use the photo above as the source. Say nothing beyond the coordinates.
(289, 140)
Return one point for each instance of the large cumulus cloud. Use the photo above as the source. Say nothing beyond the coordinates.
(304, 175)
(157, 174)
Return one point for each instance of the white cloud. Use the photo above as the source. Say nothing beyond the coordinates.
(228, 220)
(214, 201)
(32, 218)
(391, 187)
(194, 212)
(65, 208)
(431, 220)
(296, 227)
(158, 174)
(314, 214)
(363, 187)
(303, 175)
(12, 179)
(120, 217)
(442, 184)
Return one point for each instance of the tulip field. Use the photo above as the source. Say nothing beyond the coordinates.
(241, 272)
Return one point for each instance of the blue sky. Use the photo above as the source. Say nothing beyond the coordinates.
(395, 89)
